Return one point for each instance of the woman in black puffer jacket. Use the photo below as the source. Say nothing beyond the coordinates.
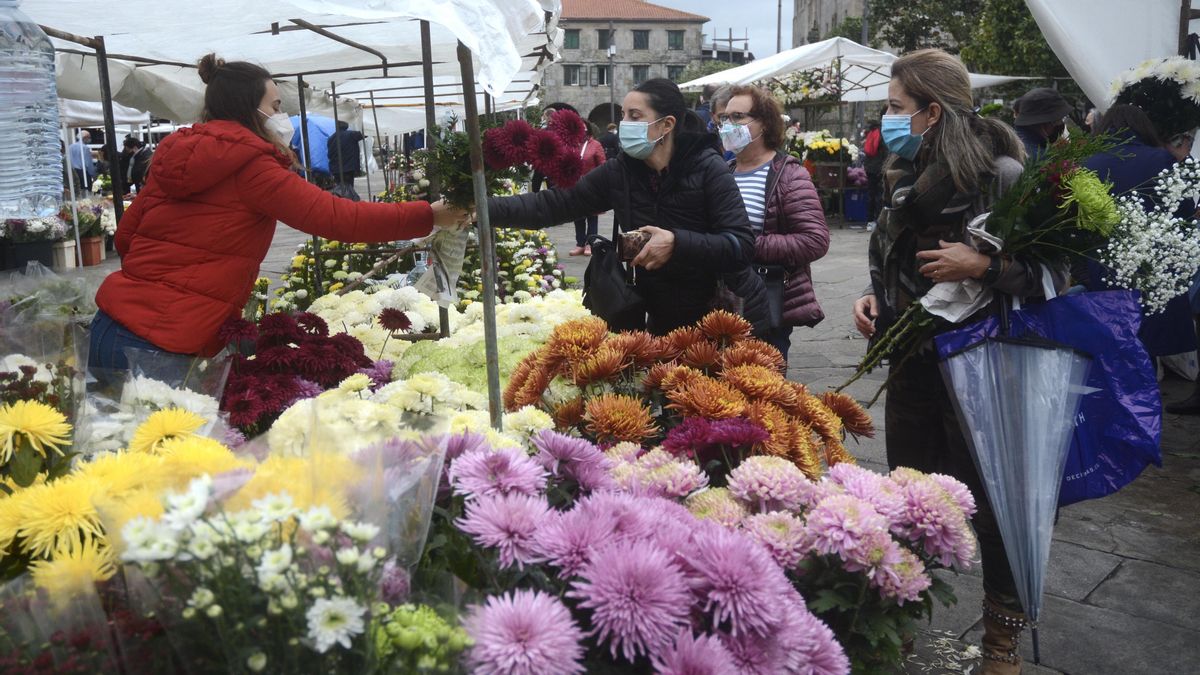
(670, 182)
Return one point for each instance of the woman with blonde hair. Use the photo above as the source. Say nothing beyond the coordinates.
(948, 166)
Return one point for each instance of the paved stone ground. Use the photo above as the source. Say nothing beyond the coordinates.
(1123, 587)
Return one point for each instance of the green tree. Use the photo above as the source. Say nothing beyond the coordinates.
(698, 69)
(915, 24)
(1007, 41)
(850, 28)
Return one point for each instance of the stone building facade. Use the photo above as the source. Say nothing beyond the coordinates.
(825, 15)
(651, 41)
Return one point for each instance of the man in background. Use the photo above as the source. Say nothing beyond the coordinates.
(83, 165)
(1041, 119)
(345, 159)
(135, 162)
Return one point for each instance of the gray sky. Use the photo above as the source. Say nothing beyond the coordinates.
(756, 16)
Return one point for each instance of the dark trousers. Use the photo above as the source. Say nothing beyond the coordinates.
(781, 339)
(923, 433)
(584, 228)
(874, 196)
(109, 341)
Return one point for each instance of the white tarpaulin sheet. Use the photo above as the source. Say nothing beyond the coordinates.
(1098, 39)
(91, 114)
(865, 71)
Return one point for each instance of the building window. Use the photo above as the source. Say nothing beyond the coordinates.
(673, 73)
(603, 38)
(674, 39)
(571, 38)
(600, 76)
(640, 74)
(571, 76)
(641, 39)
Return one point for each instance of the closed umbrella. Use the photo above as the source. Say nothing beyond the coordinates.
(1017, 399)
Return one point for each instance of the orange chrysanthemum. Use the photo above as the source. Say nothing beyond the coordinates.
(818, 416)
(707, 398)
(577, 339)
(643, 348)
(531, 391)
(753, 352)
(519, 376)
(680, 339)
(793, 404)
(568, 415)
(703, 355)
(758, 383)
(680, 376)
(725, 327)
(804, 450)
(777, 424)
(856, 420)
(606, 363)
(836, 452)
(617, 417)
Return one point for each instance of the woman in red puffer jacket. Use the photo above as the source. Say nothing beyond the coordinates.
(193, 240)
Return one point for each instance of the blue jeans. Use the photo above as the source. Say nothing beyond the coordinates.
(781, 339)
(109, 342)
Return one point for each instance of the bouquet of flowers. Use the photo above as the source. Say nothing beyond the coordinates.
(102, 184)
(554, 151)
(20, 231)
(820, 146)
(1167, 89)
(803, 86)
(449, 159)
(96, 217)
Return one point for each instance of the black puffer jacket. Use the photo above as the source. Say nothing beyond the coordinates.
(696, 198)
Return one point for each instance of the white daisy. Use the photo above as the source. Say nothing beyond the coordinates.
(333, 621)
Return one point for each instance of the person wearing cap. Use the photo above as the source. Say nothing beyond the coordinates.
(1041, 119)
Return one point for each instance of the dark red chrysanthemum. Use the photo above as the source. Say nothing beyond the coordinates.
(235, 329)
(544, 148)
(394, 320)
(567, 171)
(569, 127)
(312, 324)
(496, 148)
(278, 324)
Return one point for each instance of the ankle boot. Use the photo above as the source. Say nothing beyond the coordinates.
(1001, 640)
(1189, 405)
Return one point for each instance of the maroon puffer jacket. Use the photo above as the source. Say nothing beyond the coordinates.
(794, 235)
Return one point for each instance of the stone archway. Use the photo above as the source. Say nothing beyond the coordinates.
(600, 116)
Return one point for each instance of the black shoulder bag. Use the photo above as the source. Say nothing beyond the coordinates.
(609, 286)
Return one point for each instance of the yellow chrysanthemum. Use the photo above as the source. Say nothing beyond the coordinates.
(186, 458)
(40, 425)
(10, 519)
(122, 472)
(57, 512)
(118, 511)
(163, 426)
(75, 567)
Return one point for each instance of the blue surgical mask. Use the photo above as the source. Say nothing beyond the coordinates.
(898, 136)
(635, 139)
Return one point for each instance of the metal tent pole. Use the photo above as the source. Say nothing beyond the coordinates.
(387, 184)
(110, 129)
(307, 159)
(430, 123)
(333, 91)
(71, 185)
(487, 243)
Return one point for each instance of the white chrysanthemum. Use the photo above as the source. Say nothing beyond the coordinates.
(360, 532)
(333, 621)
(14, 362)
(275, 507)
(355, 383)
(526, 422)
(318, 518)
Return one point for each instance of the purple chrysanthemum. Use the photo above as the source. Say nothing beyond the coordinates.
(525, 633)
(658, 474)
(689, 438)
(717, 505)
(878, 490)
(847, 527)
(394, 584)
(738, 580)
(568, 540)
(630, 516)
(736, 432)
(458, 445)
(497, 472)
(639, 597)
(306, 389)
(574, 459)
(380, 373)
(899, 575)
(781, 533)
(958, 491)
(506, 523)
(936, 522)
(769, 483)
(810, 644)
(703, 655)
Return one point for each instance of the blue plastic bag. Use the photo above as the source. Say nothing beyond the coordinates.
(1119, 426)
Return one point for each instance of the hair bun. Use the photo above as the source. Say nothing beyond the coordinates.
(208, 66)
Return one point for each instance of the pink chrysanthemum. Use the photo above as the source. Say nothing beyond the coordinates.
(847, 527)
(878, 490)
(668, 478)
(380, 373)
(958, 491)
(900, 575)
(568, 540)
(525, 633)
(811, 645)
(703, 655)
(936, 522)
(624, 452)
(506, 523)
(632, 521)
(497, 472)
(739, 582)
(639, 597)
(458, 445)
(718, 505)
(781, 533)
(574, 459)
(769, 483)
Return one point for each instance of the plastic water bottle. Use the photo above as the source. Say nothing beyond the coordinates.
(30, 154)
(420, 266)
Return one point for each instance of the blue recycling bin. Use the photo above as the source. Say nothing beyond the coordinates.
(854, 205)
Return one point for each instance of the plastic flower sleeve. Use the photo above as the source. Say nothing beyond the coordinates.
(54, 628)
(448, 249)
(400, 491)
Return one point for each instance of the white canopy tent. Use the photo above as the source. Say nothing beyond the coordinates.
(1097, 40)
(72, 113)
(864, 71)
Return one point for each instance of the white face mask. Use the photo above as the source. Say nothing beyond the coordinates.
(280, 125)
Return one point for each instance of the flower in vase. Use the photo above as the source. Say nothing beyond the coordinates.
(640, 599)
(334, 620)
(523, 633)
(43, 427)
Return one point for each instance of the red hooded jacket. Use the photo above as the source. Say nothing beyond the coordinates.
(193, 240)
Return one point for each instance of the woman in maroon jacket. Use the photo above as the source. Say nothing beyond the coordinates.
(783, 206)
(192, 242)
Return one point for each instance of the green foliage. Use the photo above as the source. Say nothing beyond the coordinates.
(850, 28)
(450, 162)
(698, 69)
(915, 24)
(1007, 41)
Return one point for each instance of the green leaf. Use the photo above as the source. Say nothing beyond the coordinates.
(25, 465)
